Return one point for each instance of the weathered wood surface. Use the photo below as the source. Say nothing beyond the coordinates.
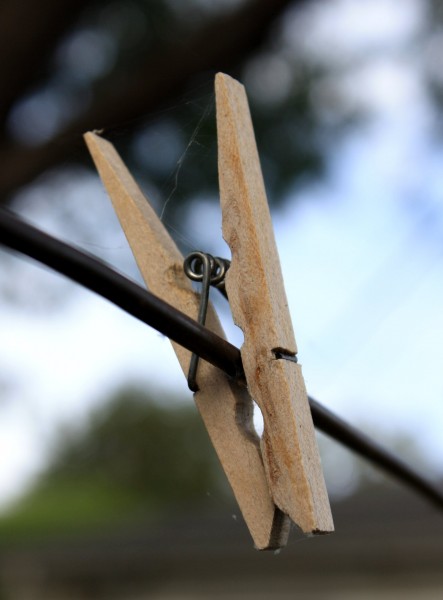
(225, 406)
(258, 302)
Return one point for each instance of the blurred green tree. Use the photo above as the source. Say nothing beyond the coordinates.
(134, 459)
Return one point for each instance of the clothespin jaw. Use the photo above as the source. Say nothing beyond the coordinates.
(280, 477)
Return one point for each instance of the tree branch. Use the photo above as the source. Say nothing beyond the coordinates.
(29, 31)
(219, 46)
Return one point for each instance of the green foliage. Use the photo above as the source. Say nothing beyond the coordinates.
(69, 506)
(161, 452)
(134, 460)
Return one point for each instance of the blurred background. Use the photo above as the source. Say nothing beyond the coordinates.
(109, 487)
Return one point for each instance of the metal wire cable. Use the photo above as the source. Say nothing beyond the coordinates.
(98, 277)
(95, 275)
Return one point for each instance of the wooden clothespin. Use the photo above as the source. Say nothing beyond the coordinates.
(279, 477)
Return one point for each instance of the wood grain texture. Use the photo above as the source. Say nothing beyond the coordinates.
(225, 405)
(259, 306)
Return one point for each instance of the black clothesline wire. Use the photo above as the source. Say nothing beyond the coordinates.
(98, 277)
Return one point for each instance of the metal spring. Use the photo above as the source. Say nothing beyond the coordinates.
(210, 270)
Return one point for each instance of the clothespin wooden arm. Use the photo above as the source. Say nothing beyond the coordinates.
(259, 306)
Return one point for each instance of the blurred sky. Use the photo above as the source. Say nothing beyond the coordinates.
(361, 253)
